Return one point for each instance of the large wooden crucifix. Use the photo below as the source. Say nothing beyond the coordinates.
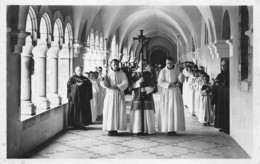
(141, 39)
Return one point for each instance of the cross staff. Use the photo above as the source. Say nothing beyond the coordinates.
(141, 38)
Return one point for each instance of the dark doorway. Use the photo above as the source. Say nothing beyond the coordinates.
(158, 57)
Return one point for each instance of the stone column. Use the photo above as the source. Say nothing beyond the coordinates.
(39, 53)
(27, 107)
(71, 55)
(52, 55)
(14, 41)
(64, 70)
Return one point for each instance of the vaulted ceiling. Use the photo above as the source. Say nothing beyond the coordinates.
(126, 21)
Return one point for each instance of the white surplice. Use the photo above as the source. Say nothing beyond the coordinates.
(197, 86)
(114, 109)
(171, 113)
(191, 94)
(185, 87)
(205, 111)
(94, 100)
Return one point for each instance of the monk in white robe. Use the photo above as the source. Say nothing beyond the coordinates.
(114, 109)
(191, 93)
(171, 113)
(197, 85)
(205, 115)
(185, 87)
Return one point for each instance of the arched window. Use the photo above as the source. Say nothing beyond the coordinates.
(244, 42)
(27, 65)
(45, 30)
(226, 26)
(58, 40)
(92, 39)
(101, 42)
(97, 41)
(88, 41)
(65, 63)
(125, 55)
(45, 26)
(68, 34)
(101, 47)
(113, 49)
(58, 31)
(31, 21)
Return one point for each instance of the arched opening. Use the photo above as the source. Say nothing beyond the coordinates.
(113, 49)
(101, 44)
(125, 55)
(68, 34)
(92, 39)
(58, 31)
(92, 48)
(101, 52)
(58, 37)
(45, 30)
(244, 41)
(27, 65)
(45, 26)
(226, 26)
(97, 41)
(158, 57)
(64, 66)
(96, 52)
(31, 21)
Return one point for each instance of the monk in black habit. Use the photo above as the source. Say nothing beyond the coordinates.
(220, 98)
(79, 96)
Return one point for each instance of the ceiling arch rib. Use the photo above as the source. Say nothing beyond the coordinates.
(114, 17)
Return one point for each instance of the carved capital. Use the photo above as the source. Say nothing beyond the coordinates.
(17, 40)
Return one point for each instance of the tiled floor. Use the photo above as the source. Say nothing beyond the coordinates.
(196, 142)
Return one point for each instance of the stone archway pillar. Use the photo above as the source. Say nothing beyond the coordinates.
(27, 107)
(39, 53)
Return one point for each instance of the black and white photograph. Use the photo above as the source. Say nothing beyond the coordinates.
(130, 82)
